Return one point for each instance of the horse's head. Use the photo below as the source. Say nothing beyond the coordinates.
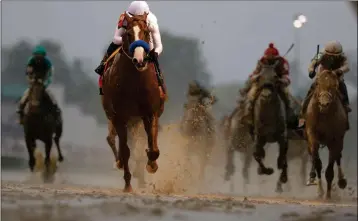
(327, 83)
(36, 92)
(268, 77)
(136, 40)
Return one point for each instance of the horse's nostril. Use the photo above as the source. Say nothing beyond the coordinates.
(135, 60)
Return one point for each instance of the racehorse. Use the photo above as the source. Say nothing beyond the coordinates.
(326, 123)
(197, 125)
(40, 124)
(131, 91)
(269, 126)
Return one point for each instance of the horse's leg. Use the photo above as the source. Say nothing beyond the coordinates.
(312, 180)
(137, 139)
(30, 145)
(329, 170)
(259, 155)
(316, 162)
(342, 182)
(56, 139)
(124, 153)
(151, 128)
(246, 166)
(304, 161)
(230, 167)
(111, 140)
(48, 145)
(282, 162)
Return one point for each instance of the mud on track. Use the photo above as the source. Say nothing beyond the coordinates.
(72, 202)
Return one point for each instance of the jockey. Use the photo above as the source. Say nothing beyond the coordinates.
(33, 64)
(333, 59)
(195, 89)
(135, 8)
(271, 56)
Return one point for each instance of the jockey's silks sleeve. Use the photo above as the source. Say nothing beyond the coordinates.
(345, 66)
(155, 33)
(120, 30)
(117, 38)
(314, 61)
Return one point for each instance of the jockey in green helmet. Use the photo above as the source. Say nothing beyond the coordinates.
(39, 62)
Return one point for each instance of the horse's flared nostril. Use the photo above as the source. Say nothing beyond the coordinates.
(135, 61)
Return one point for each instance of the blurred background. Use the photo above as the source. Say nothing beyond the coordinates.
(215, 42)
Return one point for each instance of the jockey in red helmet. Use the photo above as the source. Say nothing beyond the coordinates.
(270, 57)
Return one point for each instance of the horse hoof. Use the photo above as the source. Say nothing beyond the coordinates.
(279, 189)
(128, 189)
(152, 167)
(227, 176)
(311, 182)
(328, 196)
(265, 171)
(119, 164)
(342, 183)
(283, 178)
(60, 159)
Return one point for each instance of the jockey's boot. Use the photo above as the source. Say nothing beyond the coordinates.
(111, 48)
(343, 89)
(307, 99)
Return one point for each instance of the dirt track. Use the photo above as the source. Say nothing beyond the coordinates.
(75, 202)
(85, 190)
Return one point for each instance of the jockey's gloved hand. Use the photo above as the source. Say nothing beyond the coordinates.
(153, 54)
(311, 74)
(338, 72)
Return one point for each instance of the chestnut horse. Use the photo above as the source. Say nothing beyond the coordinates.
(326, 123)
(131, 91)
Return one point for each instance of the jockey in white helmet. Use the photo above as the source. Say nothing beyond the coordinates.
(135, 8)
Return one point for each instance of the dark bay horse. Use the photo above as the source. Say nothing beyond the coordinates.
(269, 126)
(326, 124)
(131, 92)
(40, 124)
(237, 139)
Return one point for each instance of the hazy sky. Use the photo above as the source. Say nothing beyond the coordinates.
(235, 32)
